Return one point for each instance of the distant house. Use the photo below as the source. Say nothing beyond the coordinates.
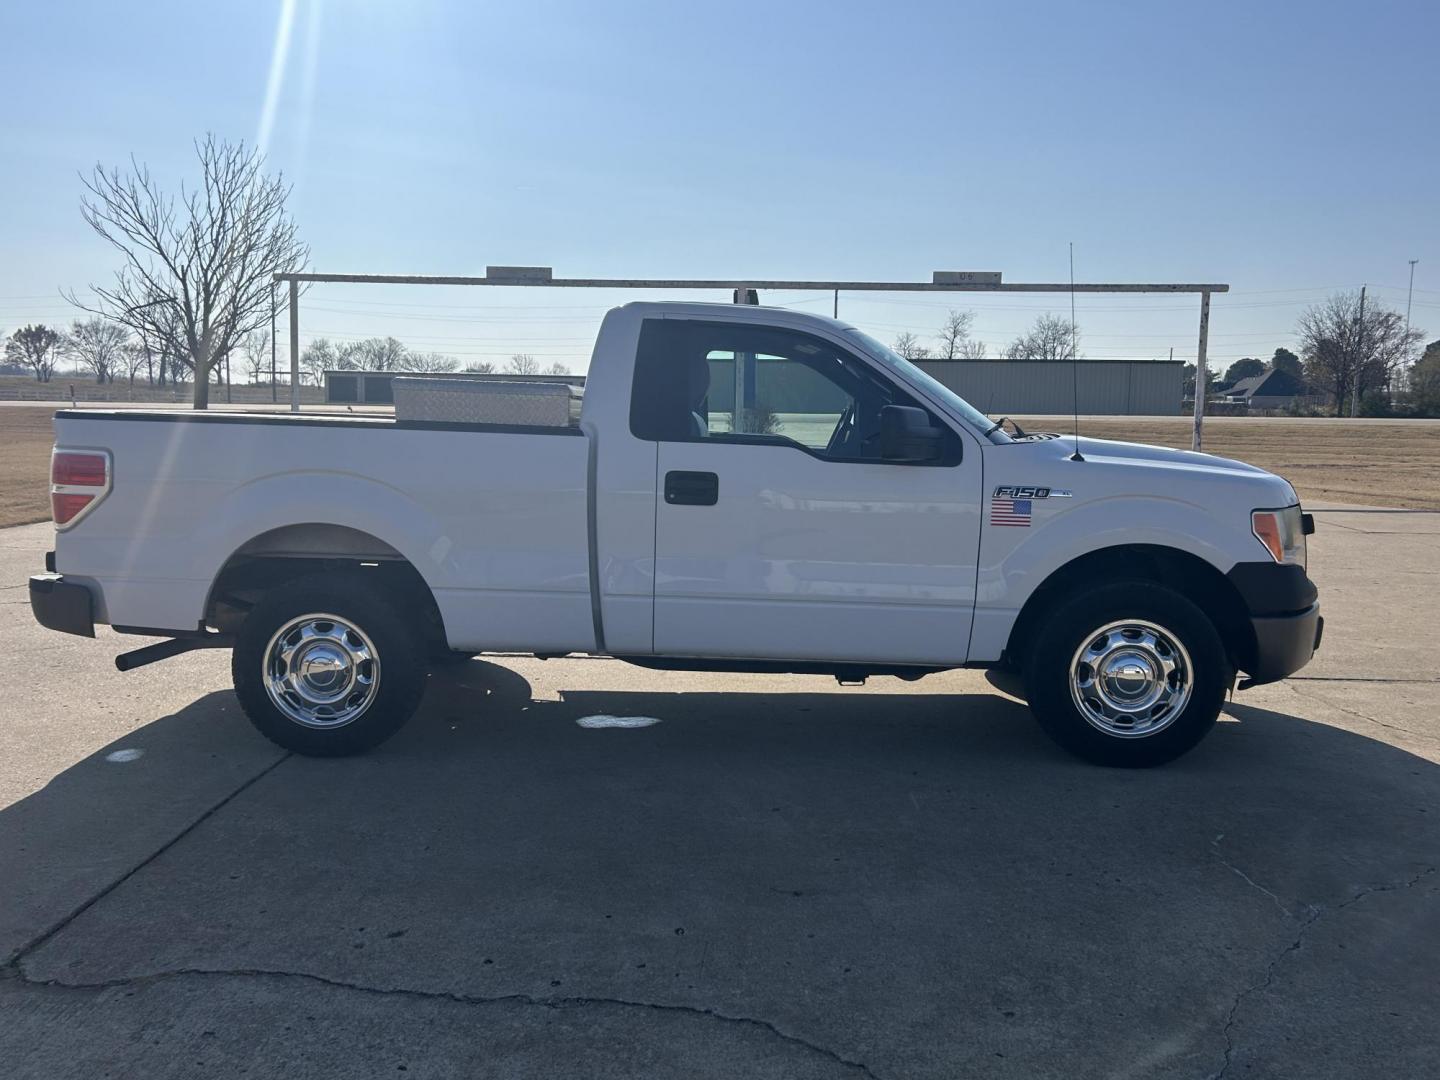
(1272, 390)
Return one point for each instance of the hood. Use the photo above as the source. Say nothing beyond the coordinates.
(1141, 468)
(1110, 449)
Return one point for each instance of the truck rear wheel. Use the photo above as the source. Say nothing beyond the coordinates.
(1127, 673)
(328, 667)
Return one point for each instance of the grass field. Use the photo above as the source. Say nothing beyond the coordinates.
(25, 439)
(1372, 462)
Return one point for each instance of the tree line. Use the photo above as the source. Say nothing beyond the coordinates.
(390, 354)
(107, 351)
(1049, 338)
(1358, 358)
(98, 346)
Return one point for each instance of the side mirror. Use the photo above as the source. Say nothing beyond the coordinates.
(907, 435)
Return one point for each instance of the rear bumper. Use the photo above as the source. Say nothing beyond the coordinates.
(62, 605)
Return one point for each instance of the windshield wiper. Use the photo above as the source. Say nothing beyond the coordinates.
(998, 426)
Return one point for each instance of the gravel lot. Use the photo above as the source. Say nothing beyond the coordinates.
(781, 878)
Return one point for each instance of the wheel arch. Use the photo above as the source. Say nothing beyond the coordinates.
(1188, 574)
(289, 553)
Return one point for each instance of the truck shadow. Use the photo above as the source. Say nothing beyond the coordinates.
(818, 859)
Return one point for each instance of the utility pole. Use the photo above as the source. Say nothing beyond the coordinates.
(1359, 358)
(1409, 295)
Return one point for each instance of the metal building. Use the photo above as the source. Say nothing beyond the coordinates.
(1047, 387)
(373, 387)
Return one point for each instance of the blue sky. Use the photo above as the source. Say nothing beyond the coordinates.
(1288, 149)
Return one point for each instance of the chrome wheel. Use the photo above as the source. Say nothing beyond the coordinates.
(1131, 678)
(321, 671)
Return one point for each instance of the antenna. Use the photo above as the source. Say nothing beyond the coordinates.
(1074, 360)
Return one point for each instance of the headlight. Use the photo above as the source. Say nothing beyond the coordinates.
(1282, 532)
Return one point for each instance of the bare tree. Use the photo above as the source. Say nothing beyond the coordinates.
(37, 347)
(97, 344)
(163, 340)
(255, 354)
(558, 368)
(1347, 357)
(523, 364)
(319, 357)
(1051, 338)
(908, 346)
(197, 272)
(480, 367)
(430, 362)
(133, 357)
(376, 354)
(973, 350)
(955, 334)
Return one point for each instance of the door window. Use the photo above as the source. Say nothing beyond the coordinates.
(733, 382)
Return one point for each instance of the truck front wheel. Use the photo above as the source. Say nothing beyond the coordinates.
(1127, 673)
(328, 667)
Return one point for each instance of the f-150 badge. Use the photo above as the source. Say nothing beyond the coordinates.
(1012, 492)
(1014, 505)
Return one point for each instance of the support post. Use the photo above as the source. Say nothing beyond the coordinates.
(294, 345)
(274, 392)
(1196, 440)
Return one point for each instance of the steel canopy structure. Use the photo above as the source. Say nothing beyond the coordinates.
(742, 288)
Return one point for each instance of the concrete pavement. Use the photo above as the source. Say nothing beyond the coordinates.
(780, 878)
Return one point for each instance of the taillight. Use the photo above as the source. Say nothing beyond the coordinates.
(79, 479)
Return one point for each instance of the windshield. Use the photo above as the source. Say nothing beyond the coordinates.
(893, 360)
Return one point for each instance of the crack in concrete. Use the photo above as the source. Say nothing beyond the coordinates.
(1356, 678)
(16, 970)
(1361, 716)
(45, 935)
(1313, 915)
(1215, 850)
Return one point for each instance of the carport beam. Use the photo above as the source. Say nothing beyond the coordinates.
(1200, 379)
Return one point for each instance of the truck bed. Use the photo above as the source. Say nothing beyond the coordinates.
(494, 517)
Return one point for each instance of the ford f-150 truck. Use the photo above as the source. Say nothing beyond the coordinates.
(745, 489)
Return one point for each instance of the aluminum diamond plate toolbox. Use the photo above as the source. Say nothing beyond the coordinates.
(486, 401)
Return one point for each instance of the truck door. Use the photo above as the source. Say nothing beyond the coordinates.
(780, 533)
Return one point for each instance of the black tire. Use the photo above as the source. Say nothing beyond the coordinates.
(398, 653)
(1076, 620)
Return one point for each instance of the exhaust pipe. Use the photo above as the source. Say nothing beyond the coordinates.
(163, 650)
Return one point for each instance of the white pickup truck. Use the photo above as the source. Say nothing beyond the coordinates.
(745, 489)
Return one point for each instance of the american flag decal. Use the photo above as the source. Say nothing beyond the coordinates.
(1009, 511)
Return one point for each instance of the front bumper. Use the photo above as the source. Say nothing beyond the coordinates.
(1284, 644)
(1285, 616)
(62, 605)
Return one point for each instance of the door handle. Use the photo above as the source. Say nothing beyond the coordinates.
(692, 488)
